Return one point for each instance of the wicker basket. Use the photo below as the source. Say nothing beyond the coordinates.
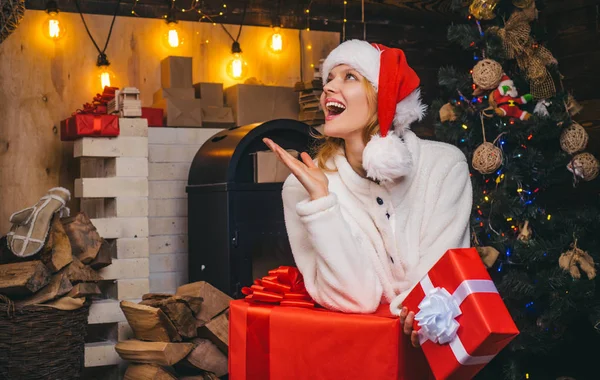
(39, 342)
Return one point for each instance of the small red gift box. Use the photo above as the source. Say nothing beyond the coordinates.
(462, 321)
(89, 125)
(155, 116)
(276, 342)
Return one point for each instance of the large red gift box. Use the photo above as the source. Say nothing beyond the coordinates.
(89, 125)
(282, 341)
(457, 304)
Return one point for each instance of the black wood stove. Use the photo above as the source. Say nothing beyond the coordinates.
(235, 226)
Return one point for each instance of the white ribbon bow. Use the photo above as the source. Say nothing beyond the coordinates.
(436, 316)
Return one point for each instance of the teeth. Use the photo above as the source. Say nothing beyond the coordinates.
(335, 104)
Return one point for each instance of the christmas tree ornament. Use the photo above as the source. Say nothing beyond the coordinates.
(523, 3)
(487, 74)
(576, 260)
(483, 9)
(574, 138)
(541, 108)
(487, 157)
(505, 101)
(573, 106)
(524, 232)
(585, 166)
(447, 113)
(532, 58)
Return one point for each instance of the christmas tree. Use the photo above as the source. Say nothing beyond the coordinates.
(534, 220)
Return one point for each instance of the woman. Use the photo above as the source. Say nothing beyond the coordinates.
(379, 206)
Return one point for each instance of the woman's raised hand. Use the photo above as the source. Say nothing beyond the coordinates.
(310, 175)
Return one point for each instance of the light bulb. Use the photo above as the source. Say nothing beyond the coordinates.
(106, 77)
(275, 41)
(53, 27)
(236, 68)
(173, 36)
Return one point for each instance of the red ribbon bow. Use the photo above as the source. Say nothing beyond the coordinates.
(99, 103)
(283, 286)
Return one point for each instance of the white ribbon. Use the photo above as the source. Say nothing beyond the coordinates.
(437, 313)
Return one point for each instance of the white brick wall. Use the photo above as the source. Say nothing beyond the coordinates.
(113, 190)
(170, 154)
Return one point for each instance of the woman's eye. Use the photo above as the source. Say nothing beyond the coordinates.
(350, 76)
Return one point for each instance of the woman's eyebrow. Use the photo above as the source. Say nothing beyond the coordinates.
(346, 71)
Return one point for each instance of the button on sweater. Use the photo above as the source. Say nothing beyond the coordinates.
(367, 243)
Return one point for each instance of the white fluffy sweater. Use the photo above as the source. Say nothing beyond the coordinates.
(366, 243)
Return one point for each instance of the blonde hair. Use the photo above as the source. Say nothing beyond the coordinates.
(330, 146)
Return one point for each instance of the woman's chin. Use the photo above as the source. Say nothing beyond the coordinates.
(332, 130)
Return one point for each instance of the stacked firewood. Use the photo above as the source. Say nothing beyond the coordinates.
(177, 336)
(63, 273)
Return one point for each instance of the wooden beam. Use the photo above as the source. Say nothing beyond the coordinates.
(559, 6)
(325, 15)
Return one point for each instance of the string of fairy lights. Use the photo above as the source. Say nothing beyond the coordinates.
(174, 36)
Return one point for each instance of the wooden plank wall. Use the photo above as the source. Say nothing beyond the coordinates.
(44, 82)
(574, 39)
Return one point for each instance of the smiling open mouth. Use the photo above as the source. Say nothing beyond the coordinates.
(335, 108)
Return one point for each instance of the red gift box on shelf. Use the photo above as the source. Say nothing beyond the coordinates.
(278, 334)
(462, 321)
(89, 125)
(155, 116)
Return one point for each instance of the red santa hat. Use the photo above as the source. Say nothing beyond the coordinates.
(505, 81)
(386, 156)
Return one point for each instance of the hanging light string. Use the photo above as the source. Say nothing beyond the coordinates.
(307, 12)
(241, 24)
(344, 22)
(102, 60)
(194, 5)
(363, 20)
(133, 12)
(277, 14)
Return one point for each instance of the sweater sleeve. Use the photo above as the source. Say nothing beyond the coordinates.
(446, 225)
(337, 273)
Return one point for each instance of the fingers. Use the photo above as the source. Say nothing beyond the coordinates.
(281, 153)
(408, 323)
(414, 339)
(403, 314)
(406, 319)
(307, 160)
(284, 156)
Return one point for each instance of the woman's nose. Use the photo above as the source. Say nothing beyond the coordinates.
(331, 86)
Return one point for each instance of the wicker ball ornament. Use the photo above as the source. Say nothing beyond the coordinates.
(11, 14)
(487, 74)
(574, 139)
(487, 158)
(584, 166)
